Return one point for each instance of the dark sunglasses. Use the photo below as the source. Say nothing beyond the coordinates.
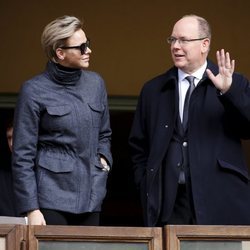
(83, 47)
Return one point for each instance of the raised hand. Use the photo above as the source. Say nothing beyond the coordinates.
(223, 80)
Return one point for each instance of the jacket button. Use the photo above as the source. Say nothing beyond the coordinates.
(184, 144)
(166, 126)
(151, 169)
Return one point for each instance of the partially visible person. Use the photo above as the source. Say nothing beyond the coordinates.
(9, 134)
(62, 135)
(7, 201)
(188, 159)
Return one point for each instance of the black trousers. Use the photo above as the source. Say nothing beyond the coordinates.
(54, 217)
(183, 212)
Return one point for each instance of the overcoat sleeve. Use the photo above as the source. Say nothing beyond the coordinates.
(236, 102)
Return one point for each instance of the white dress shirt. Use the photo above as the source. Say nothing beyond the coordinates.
(183, 84)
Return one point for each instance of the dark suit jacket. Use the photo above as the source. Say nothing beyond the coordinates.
(217, 123)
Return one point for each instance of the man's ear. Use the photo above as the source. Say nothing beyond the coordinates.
(205, 45)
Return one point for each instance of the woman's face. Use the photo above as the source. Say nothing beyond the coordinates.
(72, 57)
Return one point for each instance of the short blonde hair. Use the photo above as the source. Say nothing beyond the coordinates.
(56, 32)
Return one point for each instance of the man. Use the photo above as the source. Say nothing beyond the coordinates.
(188, 160)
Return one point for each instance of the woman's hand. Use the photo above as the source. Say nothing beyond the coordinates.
(35, 217)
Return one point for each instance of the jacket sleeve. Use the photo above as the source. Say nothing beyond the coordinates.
(25, 136)
(236, 102)
(104, 147)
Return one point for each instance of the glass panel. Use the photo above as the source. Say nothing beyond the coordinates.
(245, 245)
(52, 245)
(212, 245)
(2, 243)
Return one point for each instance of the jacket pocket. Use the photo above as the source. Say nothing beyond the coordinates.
(240, 171)
(57, 118)
(56, 164)
(96, 113)
(55, 176)
(98, 190)
(58, 110)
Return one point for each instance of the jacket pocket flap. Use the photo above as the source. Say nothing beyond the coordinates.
(98, 107)
(97, 163)
(242, 172)
(58, 110)
(56, 165)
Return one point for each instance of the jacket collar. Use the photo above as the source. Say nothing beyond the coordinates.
(171, 76)
(62, 75)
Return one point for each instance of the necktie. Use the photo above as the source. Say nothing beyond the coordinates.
(186, 102)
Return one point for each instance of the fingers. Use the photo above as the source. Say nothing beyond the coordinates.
(227, 61)
(220, 56)
(224, 61)
(232, 66)
(210, 75)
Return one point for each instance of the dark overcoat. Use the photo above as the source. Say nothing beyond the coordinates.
(217, 124)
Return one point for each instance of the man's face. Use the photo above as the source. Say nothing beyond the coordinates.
(72, 57)
(188, 55)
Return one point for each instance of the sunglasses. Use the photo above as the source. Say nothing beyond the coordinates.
(83, 47)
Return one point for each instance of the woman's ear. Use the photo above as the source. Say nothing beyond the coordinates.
(60, 54)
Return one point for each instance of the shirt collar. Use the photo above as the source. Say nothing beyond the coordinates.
(197, 74)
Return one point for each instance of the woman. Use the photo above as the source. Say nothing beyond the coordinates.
(61, 147)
